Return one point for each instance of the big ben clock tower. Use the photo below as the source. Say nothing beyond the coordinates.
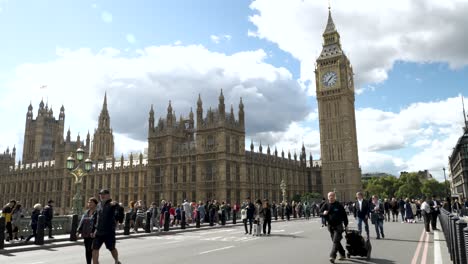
(335, 97)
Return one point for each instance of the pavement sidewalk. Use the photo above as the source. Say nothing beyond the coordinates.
(64, 240)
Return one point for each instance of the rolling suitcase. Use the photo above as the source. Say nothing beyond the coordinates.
(356, 245)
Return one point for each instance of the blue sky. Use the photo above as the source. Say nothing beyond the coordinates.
(409, 77)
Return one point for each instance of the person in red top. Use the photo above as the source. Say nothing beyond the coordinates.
(172, 214)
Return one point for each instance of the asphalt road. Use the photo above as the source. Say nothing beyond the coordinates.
(294, 242)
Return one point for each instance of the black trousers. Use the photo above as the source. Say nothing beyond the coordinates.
(434, 220)
(49, 226)
(250, 223)
(266, 222)
(34, 233)
(88, 243)
(427, 219)
(9, 229)
(336, 236)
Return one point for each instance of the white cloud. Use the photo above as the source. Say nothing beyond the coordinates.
(178, 42)
(106, 17)
(427, 31)
(218, 38)
(130, 38)
(94, 6)
(78, 79)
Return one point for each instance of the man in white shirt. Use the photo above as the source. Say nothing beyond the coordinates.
(426, 213)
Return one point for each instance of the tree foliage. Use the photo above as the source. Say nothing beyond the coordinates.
(410, 185)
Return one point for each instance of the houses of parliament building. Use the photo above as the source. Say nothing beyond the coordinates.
(199, 157)
(202, 156)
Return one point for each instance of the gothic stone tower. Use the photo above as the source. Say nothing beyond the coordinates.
(43, 136)
(103, 140)
(335, 96)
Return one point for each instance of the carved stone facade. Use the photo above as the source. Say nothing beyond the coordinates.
(191, 160)
(335, 96)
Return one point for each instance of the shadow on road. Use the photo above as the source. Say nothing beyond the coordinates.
(372, 260)
(405, 240)
(286, 235)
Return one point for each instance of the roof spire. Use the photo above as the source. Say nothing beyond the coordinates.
(330, 24)
(104, 105)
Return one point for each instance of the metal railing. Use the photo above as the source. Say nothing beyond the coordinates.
(455, 230)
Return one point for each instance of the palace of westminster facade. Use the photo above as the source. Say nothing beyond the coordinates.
(198, 157)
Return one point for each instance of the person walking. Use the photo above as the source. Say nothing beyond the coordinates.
(267, 217)
(377, 216)
(201, 211)
(154, 212)
(337, 223)
(409, 216)
(86, 228)
(394, 208)
(258, 218)
(16, 216)
(187, 208)
(387, 210)
(48, 213)
(34, 219)
(361, 213)
(323, 217)
(6, 213)
(401, 207)
(105, 226)
(426, 214)
(435, 211)
(250, 208)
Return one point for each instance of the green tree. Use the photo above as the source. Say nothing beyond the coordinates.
(433, 187)
(409, 186)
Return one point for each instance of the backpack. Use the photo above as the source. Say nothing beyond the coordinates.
(120, 214)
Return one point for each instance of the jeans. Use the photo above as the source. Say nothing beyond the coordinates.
(336, 236)
(434, 220)
(379, 227)
(366, 225)
(48, 224)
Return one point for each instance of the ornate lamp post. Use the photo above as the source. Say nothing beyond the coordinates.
(78, 173)
(283, 188)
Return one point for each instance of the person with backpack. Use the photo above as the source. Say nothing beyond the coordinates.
(16, 216)
(86, 228)
(48, 213)
(34, 219)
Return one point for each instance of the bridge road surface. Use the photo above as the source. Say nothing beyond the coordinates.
(295, 242)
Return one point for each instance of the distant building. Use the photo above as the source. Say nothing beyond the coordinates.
(459, 164)
(370, 175)
(422, 174)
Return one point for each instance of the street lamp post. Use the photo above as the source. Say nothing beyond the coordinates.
(283, 188)
(445, 183)
(78, 173)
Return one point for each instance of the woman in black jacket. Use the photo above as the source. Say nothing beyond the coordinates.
(34, 219)
(267, 217)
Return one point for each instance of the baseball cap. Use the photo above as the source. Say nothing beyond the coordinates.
(104, 191)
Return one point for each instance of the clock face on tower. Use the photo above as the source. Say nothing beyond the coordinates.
(329, 79)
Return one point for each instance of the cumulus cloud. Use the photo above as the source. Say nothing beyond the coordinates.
(106, 17)
(429, 129)
(427, 31)
(136, 79)
(218, 38)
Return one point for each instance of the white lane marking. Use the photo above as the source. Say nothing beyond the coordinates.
(298, 232)
(37, 263)
(437, 249)
(213, 250)
(282, 230)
